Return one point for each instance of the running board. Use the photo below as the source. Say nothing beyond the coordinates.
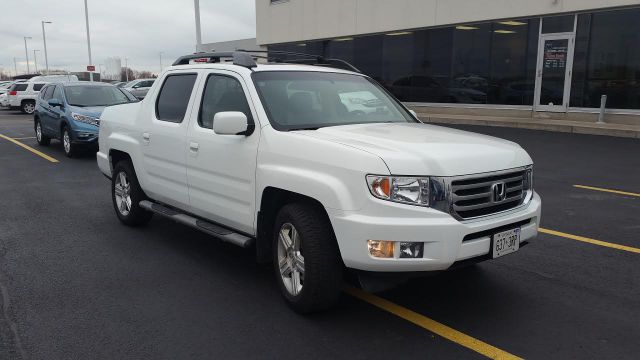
(218, 231)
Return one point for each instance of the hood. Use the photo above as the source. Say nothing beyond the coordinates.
(93, 111)
(420, 149)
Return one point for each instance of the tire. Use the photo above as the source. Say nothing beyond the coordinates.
(28, 107)
(126, 201)
(69, 148)
(314, 257)
(40, 137)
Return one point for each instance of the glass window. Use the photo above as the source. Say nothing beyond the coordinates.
(174, 97)
(37, 87)
(557, 24)
(19, 87)
(48, 93)
(309, 100)
(607, 60)
(90, 95)
(57, 94)
(222, 93)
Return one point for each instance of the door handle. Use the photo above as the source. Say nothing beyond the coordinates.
(194, 146)
(146, 137)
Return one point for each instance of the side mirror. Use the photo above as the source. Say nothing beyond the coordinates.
(54, 102)
(231, 123)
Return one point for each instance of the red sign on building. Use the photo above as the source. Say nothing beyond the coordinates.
(91, 68)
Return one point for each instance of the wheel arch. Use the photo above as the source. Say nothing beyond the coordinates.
(272, 200)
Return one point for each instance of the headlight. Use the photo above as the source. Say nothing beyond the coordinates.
(86, 119)
(400, 189)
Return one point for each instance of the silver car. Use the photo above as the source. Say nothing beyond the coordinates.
(139, 87)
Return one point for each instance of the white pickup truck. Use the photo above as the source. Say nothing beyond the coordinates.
(281, 158)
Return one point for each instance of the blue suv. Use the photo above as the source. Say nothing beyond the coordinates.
(70, 112)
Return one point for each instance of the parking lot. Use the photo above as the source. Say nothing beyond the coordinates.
(76, 284)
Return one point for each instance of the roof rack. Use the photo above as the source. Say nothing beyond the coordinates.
(310, 59)
(240, 58)
(246, 59)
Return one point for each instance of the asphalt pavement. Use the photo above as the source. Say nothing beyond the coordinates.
(76, 284)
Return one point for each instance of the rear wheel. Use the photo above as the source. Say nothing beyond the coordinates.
(28, 107)
(307, 261)
(42, 140)
(126, 195)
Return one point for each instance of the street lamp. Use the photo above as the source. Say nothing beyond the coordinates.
(160, 63)
(44, 39)
(26, 52)
(196, 5)
(86, 17)
(35, 59)
(126, 68)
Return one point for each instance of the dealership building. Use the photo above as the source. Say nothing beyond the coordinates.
(542, 58)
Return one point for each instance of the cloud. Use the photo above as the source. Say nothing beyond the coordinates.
(136, 29)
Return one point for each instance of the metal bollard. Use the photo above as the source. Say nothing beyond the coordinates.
(603, 104)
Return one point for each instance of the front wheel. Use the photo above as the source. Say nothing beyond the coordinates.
(307, 261)
(126, 195)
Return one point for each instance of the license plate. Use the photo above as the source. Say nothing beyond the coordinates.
(506, 242)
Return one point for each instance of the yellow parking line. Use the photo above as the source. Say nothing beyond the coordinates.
(431, 325)
(607, 190)
(27, 147)
(590, 241)
(24, 138)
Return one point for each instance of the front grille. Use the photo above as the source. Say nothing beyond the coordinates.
(474, 196)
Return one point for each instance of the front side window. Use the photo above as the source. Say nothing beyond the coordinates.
(174, 97)
(57, 94)
(309, 100)
(222, 93)
(87, 95)
(48, 92)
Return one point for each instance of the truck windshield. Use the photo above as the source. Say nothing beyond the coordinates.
(296, 100)
(95, 95)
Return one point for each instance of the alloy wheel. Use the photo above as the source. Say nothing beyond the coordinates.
(290, 259)
(66, 142)
(122, 193)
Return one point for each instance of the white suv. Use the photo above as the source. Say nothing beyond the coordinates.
(23, 95)
(276, 157)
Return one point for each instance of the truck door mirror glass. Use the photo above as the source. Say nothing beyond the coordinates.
(54, 102)
(230, 123)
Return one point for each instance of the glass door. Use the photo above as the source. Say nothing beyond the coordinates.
(553, 80)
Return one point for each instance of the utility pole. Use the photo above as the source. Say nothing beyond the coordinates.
(35, 59)
(126, 68)
(196, 4)
(15, 65)
(86, 17)
(44, 39)
(26, 52)
(160, 63)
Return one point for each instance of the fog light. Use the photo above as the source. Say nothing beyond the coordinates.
(381, 248)
(412, 250)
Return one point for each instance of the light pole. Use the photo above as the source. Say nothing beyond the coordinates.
(126, 68)
(35, 59)
(44, 39)
(15, 65)
(26, 52)
(196, 5)
(86, 17)
(160, 63)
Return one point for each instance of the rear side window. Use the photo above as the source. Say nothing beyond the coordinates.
(222, 93)
(174, 97)
(37, 87)
(19, 87)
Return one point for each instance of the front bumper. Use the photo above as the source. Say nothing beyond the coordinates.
(442, 234)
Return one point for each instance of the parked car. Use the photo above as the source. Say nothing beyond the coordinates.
(268, 156)
(120, 84)
(22, 95)
(54, 78)
(139, 87)
(71, 112)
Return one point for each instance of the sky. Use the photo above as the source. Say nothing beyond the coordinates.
(136, 29)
